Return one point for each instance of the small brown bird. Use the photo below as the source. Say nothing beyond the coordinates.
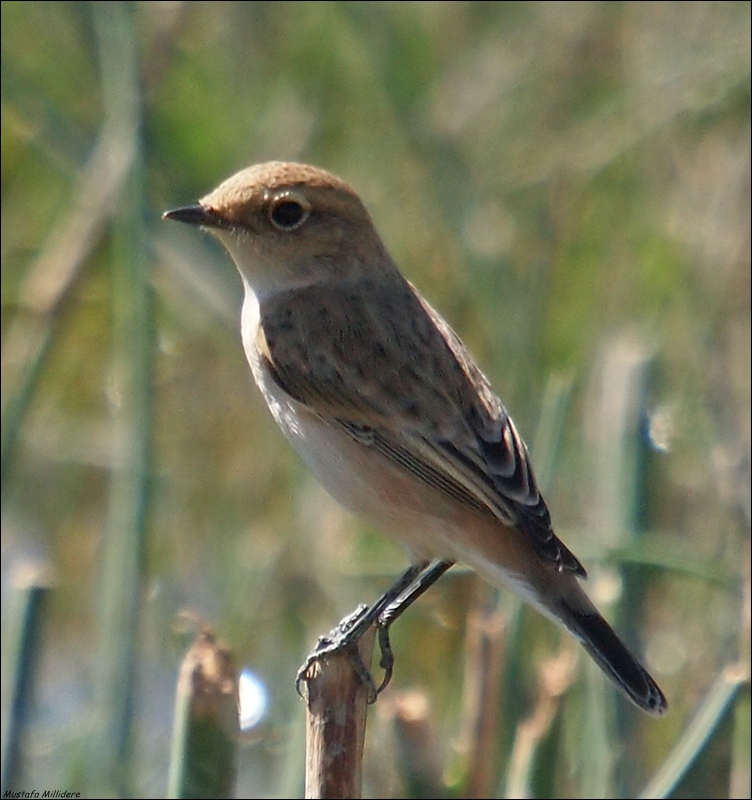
(388, 408)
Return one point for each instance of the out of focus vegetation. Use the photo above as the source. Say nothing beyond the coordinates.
(569, 183)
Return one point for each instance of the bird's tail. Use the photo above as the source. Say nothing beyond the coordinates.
(600, 640)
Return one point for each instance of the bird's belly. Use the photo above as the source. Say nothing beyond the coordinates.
(365, 481)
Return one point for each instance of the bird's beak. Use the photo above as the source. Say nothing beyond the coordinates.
(194, 215)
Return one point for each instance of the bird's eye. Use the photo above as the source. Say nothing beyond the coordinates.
(289, 211)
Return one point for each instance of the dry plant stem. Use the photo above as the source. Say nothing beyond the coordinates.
(417, 753)
(207, 729)
(555, 677)
(336, 724)
(485, 650)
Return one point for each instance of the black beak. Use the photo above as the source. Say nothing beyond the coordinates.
(194, 215)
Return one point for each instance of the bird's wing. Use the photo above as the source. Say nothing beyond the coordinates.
(382, 365)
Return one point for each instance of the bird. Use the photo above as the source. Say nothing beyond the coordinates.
(388, 408)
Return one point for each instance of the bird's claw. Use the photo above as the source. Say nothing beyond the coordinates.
(344, 639)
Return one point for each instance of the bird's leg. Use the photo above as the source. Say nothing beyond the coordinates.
(423, 581)
(344, 638)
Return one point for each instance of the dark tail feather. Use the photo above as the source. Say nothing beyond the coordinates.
(599, 639)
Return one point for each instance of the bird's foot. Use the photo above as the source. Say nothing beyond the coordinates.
(344, 639)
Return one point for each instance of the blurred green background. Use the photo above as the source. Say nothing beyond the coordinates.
(569, 184)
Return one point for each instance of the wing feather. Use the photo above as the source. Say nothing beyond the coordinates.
(382, 365)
